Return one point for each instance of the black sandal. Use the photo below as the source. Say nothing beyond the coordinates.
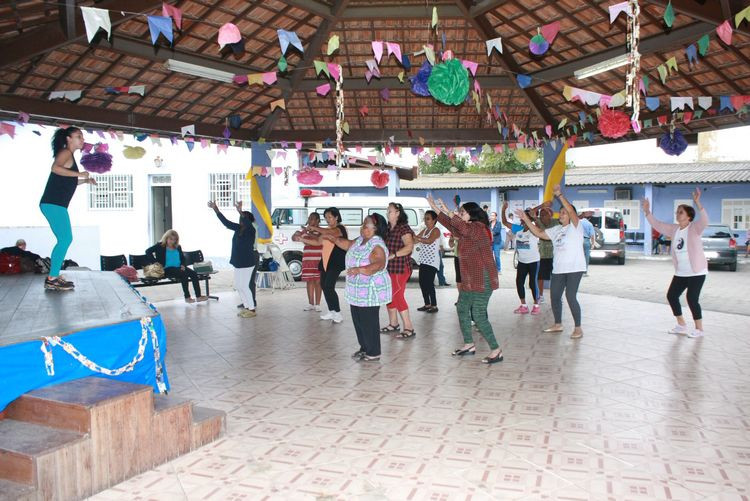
(461, 351)
(424, 308)
(406, 334)
(390, 328)
(432, 309)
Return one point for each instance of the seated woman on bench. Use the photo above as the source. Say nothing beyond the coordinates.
(169, 253)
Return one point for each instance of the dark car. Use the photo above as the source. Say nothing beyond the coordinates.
(720, 246)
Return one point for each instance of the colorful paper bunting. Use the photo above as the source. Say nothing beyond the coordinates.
(679, 103)
(287, 38)
(9, 129)
(321, 66)
(70, 95)
(703, 43)
(669, 15)
(652, 103)
(282, 65)
(279, 103)
(269, 78)
(550, 31)
(335, 71)
(434, 17)
(741, 16)
(617, 9)
(671, 64)
(724, 30)
(188, 130)
(377, 50)
(429, 53)
(692, 54)
(705, 102)
(160, 25)
(333, 44)
(385, 94)
(401, 76)
(494, 44)
(323, 89)
(96, 19)
(394, 48)
(523, 80)
(173, 12)
(363, 111)
(405, 62)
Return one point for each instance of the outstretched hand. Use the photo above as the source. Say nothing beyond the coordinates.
(238, 206)
(212, 205)
(505, 206)
(556, 190)
(646, 205)
(697, 196)
(521, 215)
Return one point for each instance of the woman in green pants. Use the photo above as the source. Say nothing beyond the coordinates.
(61, 186)
(478, 273)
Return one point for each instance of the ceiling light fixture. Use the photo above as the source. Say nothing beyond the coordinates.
(199, 71)
(607, 65)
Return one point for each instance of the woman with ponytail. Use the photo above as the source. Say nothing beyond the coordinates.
(61, 186)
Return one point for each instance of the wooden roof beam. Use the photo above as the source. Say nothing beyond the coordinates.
(375, 11)
(313, 7)
(312, 51)
(486, 30)
(650, 45)
(401, 136)
(708, 12)
(23, 47)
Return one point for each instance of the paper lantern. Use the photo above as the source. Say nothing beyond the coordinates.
(673, 143)
(133, 152)
(538, 45)
(379, 179)
(613, 123)
(526, 156)
(309, 177)
(449, 82)
(98, 162)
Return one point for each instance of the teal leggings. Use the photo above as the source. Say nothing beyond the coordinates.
(59, 221)
(476, 303)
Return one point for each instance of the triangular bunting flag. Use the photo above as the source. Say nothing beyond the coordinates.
(160, 25)
(94, 19)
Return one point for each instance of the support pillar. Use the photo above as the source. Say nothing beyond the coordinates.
(260, 192)
(394, 184)
(495, 202)
(647, 242)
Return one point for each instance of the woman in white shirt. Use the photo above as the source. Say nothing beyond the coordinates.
(428, 253)
(568, 261)
(527, 247)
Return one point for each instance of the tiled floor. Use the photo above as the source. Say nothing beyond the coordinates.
(626, 413)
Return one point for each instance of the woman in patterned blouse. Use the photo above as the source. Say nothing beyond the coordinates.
(400, 242)
(478, 274)
(367, 283)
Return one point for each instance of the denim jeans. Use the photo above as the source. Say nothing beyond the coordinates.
(496, 251)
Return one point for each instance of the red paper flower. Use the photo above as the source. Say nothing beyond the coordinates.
(309, 176)
(379, 179)
(613, 123)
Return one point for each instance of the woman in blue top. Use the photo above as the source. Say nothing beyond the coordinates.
(61, 186)
(169, 254)
(243, 256)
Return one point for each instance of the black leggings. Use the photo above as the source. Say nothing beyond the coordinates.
(458, 269)
(530, 269)
(427, 283)
(693, 286)
(328, 280)
(366, 322)
(184, 276)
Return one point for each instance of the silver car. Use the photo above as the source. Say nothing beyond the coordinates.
(720, 246)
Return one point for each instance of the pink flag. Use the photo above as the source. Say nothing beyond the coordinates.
(368, 75)
(23, 117)
(725, 32)
(323, 89)
(205, 143)
(377, 49)
(471, 66)
(550, 31)
(335, 71)
(371, 159)
(269, 78)
(385, 94)
(394, 48)
(364, 110)
(240, 79)
(173, 12)
(548, 130)
(477, 87)
(448, 54)
(7, 129)
(298, 145)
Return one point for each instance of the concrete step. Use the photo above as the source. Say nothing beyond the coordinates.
(208, 425)
(54, 462)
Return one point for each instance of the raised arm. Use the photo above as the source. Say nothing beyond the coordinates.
(662, 227)
(226, 222)
(532, 227)
(702, 222)
(504, 217)
(569, 208)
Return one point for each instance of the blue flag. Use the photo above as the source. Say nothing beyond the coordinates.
(160, 25)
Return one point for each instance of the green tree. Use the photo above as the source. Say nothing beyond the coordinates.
(443, 164)
(491, 162)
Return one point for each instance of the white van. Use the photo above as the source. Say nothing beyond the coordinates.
(288, 216)
(611, 225)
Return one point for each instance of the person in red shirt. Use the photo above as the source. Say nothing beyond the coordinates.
(400, 243)
(478, 273)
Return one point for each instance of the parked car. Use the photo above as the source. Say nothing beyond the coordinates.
(610, 236)
(720, 246)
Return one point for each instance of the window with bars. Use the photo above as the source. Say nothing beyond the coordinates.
(735, 212)
(111, 192)
(226, 189)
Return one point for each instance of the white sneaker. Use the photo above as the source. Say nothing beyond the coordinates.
(678, 330)
(695, 333)
(318, 308)
(327, 316)
(541, 299)
(337, 317)
(309, 307)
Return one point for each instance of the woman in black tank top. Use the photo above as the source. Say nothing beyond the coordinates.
(61, 186)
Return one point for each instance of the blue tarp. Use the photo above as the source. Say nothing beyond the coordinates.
(22, 365)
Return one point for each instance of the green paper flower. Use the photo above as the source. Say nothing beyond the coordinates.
(449, 82)
(282, 64)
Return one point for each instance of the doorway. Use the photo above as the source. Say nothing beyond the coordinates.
(161, 211)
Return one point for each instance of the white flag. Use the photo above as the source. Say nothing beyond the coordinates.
(94, 19)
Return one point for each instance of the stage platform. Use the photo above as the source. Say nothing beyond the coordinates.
(102, 328)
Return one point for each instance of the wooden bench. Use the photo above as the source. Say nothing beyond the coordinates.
(138, 261)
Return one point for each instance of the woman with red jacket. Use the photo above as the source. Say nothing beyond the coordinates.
(478, 273)
(691, 266)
